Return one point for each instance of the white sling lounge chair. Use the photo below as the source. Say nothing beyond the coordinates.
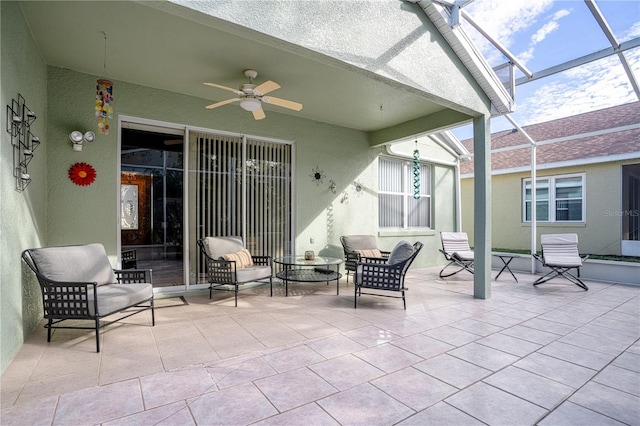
(456, 250)
(560, 253)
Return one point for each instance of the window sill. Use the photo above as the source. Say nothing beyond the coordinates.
(557, 224)
(406, 232)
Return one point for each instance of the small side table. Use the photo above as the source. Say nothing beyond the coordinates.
(506, 259)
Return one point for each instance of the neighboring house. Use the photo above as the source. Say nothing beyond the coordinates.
(369, 74)
(588, 174)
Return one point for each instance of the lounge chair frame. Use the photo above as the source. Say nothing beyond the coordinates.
(558, 268)
(454, 243)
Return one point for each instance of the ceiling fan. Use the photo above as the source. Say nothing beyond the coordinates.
(251, 96)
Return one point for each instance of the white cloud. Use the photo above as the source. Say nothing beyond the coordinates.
(543, 32)
(593, 86)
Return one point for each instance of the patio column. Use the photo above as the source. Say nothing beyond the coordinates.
(482, 207)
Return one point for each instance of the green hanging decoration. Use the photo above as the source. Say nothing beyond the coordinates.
(416, 173)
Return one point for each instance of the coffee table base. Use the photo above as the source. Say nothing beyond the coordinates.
(309, 275)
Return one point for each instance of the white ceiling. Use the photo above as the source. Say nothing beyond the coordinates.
(147, 46)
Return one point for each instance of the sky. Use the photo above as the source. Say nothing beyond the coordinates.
(544, 33)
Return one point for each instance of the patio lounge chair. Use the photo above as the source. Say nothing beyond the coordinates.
(560, 253)
(456, 250)
(386, 274)
(230, 264)
(78, 283)
(357, 247)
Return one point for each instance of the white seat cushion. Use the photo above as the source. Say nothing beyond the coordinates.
(115, 297)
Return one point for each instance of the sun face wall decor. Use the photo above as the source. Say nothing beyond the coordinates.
(82, 174)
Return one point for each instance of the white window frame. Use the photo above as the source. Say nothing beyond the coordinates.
(407, 194)
(551, 180)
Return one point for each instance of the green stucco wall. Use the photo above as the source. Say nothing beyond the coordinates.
(22, 215)
(601, 232)
(85, 214)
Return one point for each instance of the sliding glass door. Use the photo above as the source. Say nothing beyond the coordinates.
(239, 186)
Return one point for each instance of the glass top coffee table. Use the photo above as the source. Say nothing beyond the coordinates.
(319, 269)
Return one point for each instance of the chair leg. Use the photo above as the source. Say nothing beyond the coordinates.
(404, 301)
(236, 291)
(49, 330)
(355, 297)
(271, 285)
(462, 268)
(97, 335)
(210, 290)
(561, 272)
(153, 314)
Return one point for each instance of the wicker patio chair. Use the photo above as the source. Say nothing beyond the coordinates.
(386, 274)
(78, 283)
(357, 247)
(228, 263)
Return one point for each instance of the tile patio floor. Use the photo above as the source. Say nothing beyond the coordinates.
(553, 355)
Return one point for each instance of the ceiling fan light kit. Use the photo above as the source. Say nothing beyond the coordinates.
(251, 96)
(250, 104)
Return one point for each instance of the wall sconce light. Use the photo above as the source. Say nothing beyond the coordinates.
(77, 138)
(332, 186)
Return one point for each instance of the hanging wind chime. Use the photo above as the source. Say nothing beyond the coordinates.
(104, 98)
(416, 173)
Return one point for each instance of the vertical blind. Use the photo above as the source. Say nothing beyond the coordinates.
(241, 187)
(396, 206)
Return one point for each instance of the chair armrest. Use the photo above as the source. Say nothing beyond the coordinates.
(220, 265)
(262, 260)
(447, 256)
(380, 275)
(129, 276)
(69, 299)
(377, 260)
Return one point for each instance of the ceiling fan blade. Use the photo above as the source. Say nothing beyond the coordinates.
(258, 114)
(219, 86)
(266, 87)
(282, 103)
(217, 104)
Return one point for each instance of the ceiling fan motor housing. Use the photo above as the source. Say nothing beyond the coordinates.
(247, 88)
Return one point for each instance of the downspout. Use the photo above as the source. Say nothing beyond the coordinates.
(534, 181)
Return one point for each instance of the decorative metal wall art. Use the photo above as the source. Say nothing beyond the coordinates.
(317, 175)
(19, 119)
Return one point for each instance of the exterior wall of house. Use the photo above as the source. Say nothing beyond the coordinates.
(599, 234)
(22, 215)
(85, 214)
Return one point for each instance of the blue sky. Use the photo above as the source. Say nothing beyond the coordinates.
(543, 33)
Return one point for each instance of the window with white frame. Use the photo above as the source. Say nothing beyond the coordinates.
(397, 207)
(558, 198)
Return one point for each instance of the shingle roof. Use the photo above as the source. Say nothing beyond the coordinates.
(595, 134)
